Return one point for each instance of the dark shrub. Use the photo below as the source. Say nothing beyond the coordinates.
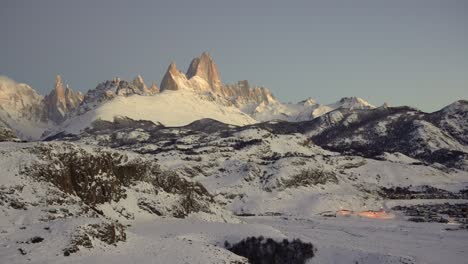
(99, 176)
(36, 239)
(309, 177)
(259, 250)
(248, 143)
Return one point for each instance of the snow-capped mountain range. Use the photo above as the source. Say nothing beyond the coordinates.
(129, 172)
(180, 100)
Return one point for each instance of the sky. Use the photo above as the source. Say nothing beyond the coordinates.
(404, 52)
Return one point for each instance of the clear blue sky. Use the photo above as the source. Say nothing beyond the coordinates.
(405, 52)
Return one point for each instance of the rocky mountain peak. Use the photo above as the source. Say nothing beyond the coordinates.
(59, 90)
(172, 78)
(352, 103)
(202, 76)
(460, 105)
(308, 102)
(20, 101)
(173, 68)
(154, 88)
(61, 101)
(80, 96)
(140, 84)
(242, 94)
(70, 98)
(385, 105)
(205, 68)
(55, 102)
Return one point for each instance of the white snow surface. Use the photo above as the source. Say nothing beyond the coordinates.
(170, 108)
(248, 183)
(301, 111)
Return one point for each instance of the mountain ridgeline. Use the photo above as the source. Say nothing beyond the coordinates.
(350, 125)
(170, 173)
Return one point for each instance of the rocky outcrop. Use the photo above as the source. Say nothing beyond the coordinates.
(116, 87)
(352, 103)
(140, 84)
(454, 119)
(20, 101)
(154, 88)
(109, 233)
(55, 102)
(6, 134)
(241, 94)
(61, 101)
(103, 92)
(205, 68)
(203, 76)
(73, 100)
(125, 88)
(173, 79)
(22, 111)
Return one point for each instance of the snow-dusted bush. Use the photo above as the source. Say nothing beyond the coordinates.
(7, 134)
(308, 177)
(96, 176)
(107, 233)
(100, 176)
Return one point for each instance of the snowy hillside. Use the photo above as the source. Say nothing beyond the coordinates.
(271, 175)
(171, 108)
(238, 162)
(302, 111)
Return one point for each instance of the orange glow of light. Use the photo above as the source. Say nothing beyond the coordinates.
(344, 212)
(367, 214)
(376, 214)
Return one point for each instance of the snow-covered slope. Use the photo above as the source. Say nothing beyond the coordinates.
(260, 169)
(73, 197)
(171, 108)
(351, 103)
(400, 129)
(301, 111)
(72, 194)
(454, 119)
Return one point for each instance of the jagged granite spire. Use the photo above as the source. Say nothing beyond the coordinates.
(205, 68)
(202, 76)
(61, 101)
(140, 84)
(154, 88)
(172, 77)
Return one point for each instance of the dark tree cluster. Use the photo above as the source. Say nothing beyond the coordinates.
(418, 192)
(243, 144)
(259, 250)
